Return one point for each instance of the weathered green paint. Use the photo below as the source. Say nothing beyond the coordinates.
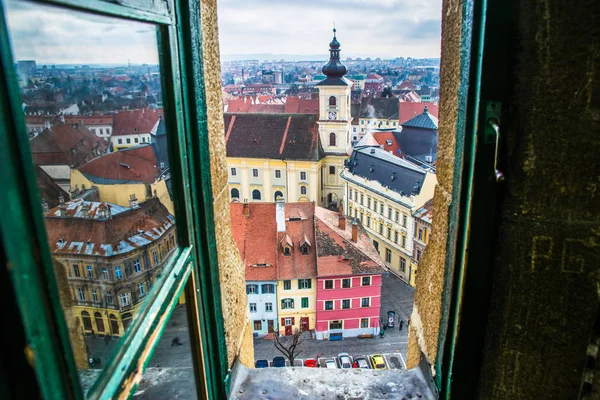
(209, 301)
(23, 232)
(144, 333)
(24, 240)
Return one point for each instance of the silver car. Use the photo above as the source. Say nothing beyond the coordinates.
(345, 360)
(330, 364)
(361, 362)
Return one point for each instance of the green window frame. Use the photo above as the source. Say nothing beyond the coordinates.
(304, 283)
(305, 302)
(193, 267)
(287, 285)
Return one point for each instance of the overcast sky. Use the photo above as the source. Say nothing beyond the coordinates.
(50, 35)
(366, 28)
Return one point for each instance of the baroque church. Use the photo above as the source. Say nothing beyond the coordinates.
(293, 156)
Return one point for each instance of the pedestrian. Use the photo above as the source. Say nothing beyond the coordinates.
(408, 324)
(400, 325)
(106, 339)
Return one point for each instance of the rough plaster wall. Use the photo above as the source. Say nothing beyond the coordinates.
(425, 322)
(233, 288)
(546, 278)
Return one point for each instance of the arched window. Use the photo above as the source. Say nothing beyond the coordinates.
(278, 194)
(256, 194)
(87, 321)
(235, 194)
(99, 322)
(332, 101)
(127, 318)
(114, 324)
(332, 139)
(302, 189)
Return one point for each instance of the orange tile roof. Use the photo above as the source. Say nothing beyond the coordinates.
(299, 222)
(254, 230)
(383, 137)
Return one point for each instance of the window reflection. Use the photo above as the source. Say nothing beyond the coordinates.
(92, 101)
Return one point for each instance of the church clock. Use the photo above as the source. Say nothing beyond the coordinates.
(332, 115)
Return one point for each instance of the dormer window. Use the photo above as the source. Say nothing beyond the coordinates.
(287, 245)
(305, 244)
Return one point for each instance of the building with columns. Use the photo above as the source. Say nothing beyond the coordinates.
(298, 157)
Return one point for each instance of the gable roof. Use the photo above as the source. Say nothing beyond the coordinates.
(425, 213)
(379, 107)
(65, 144)
(393, 172)
(301, 106)
(277, 136)
(254, 230)
(299, 226)
(135, 121)
(133, 165)
(338, 254)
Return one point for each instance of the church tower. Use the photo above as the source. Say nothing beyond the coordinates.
(334, 124)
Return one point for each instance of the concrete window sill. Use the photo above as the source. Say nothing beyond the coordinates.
(321, 383)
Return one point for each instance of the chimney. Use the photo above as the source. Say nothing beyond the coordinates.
(280, 214)
(246, 209)
(342, 222)
(45, 207)
(354, 231)
(133, 201)
(62, 205)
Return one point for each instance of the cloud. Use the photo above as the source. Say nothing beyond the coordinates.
(53, 35)
(375, 28)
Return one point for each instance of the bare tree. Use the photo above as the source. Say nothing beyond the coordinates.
(288, 345)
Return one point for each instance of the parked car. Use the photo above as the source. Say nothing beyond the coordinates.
(360, 362)
(278, 362)
(391, 316)
(310, 363)
(261, 363)
(345, 360)
(330, 364)
(378, 361)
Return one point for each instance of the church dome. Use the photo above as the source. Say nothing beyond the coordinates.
(334, 68)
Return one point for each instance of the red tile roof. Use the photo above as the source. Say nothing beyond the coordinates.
(338, 254)
(254, 230)
(410, 110)
(406, 85)
(64, 145)
(296, 105)
(73, 231)
(136, 164)
(89, 120)
(388, 136)
(125, 122)
(299, 223)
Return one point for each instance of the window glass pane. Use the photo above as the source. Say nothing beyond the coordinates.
(93, 107)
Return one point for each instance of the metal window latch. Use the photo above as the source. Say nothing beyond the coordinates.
(492, 135)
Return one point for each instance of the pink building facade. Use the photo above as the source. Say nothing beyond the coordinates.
(348, 306)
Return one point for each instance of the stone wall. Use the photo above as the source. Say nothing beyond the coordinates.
(238, 331)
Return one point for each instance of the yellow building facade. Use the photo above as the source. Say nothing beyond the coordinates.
(108, 282)
(387, 217)
(296, 304)
(120, 193)
(262, 179)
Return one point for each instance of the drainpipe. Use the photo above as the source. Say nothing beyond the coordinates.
(286, 181)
